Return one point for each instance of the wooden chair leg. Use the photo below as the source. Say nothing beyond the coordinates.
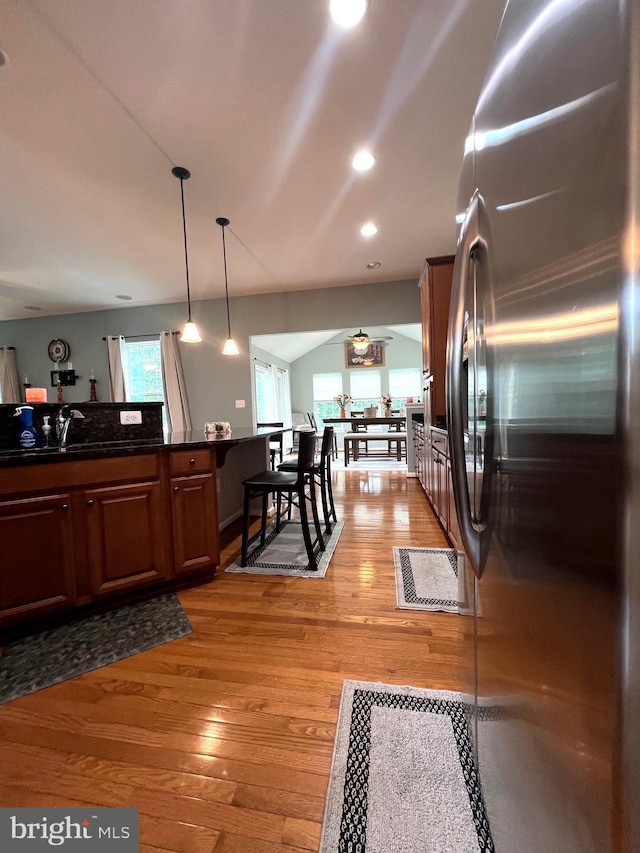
(304, 519)
(329, 485)
(323, 496)
(314, 512)
(245, 527)
(263, 528)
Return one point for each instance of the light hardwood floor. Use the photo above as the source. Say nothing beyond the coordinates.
(223, 739)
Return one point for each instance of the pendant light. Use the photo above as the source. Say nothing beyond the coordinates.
(190, 333)
(230, 347)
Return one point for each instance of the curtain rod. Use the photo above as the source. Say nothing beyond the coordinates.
(146, 335)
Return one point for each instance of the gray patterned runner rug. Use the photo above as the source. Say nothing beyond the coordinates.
(61, 653)
(403, 776)
(284, 553)
(428, 579)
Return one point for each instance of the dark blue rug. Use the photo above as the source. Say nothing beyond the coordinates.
(58, 654)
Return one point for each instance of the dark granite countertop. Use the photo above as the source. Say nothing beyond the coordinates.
(171, 441)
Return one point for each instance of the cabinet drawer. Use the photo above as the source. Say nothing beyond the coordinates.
(190, 461)
(439, 442)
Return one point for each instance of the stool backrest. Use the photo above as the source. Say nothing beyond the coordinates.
(327, 443)
(306, 452)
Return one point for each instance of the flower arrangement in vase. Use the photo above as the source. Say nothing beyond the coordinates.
(387, 402)
(342, 400)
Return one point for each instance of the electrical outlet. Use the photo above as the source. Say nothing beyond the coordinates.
(239, 404)
(130, 417)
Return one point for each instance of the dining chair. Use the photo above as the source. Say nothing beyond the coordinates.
(276, 442)
(298, 487)
(314, 424)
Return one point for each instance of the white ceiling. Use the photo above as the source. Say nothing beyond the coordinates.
(265, 101)
(293, 345)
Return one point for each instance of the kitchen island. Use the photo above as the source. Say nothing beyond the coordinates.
(108, 522)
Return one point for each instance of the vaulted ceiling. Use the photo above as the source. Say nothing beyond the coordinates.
(265, 102)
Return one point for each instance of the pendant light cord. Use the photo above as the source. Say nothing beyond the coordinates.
(226, 284)
(186, 254)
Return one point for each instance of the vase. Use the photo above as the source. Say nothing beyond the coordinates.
(387, 410)
(343, 412)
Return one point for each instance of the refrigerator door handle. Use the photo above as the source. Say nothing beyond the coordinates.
(470, 250)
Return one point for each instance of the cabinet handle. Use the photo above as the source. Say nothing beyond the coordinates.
(176, 488)
(65, 506)
(89, 503)
(192, 462)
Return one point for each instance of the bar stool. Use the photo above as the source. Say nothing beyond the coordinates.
(294, 486)
(322, 474)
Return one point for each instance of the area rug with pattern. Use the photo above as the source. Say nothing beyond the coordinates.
(284, 553)
(429, 579)
(403, 776)
(58, 654)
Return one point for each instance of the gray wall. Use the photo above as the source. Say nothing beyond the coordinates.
(214, 382)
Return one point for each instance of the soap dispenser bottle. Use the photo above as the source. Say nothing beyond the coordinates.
(46, 429)
(28, 435)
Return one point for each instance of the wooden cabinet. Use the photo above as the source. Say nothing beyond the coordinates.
(195, 539)
(36, 557)
(435, 296)
(126, 537)
(194, 510)
(453, 529)
(78, 531)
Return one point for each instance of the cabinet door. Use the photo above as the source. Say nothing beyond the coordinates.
(36, 557)
(453, 530)
(443, 492)
(195, 523)
(127, 536)
(425, 315)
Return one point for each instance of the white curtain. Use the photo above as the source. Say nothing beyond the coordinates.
(175, 391)
(9, 385)
(116, 356)
(285, 405)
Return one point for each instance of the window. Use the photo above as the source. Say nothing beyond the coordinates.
(273, 395)
(404, 382)
(326, 386)
(143, 371)
(365, 388)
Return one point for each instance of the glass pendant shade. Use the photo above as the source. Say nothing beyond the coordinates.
(230, 347)
(190, 333)
(360, 346)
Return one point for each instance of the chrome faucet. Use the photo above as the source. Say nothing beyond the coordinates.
(63, 419)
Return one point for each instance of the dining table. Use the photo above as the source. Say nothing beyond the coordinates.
(355, 421)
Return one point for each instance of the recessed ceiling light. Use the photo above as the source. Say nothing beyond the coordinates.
(32, 308)
(368, 229)
(373, 265)
(363, 161)
(124, 296)
(347, 13)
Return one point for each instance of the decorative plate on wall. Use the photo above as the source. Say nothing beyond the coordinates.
(58, 350)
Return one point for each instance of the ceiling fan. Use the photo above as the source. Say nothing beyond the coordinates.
(361, 341)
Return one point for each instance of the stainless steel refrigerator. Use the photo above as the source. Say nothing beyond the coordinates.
(543, 385)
